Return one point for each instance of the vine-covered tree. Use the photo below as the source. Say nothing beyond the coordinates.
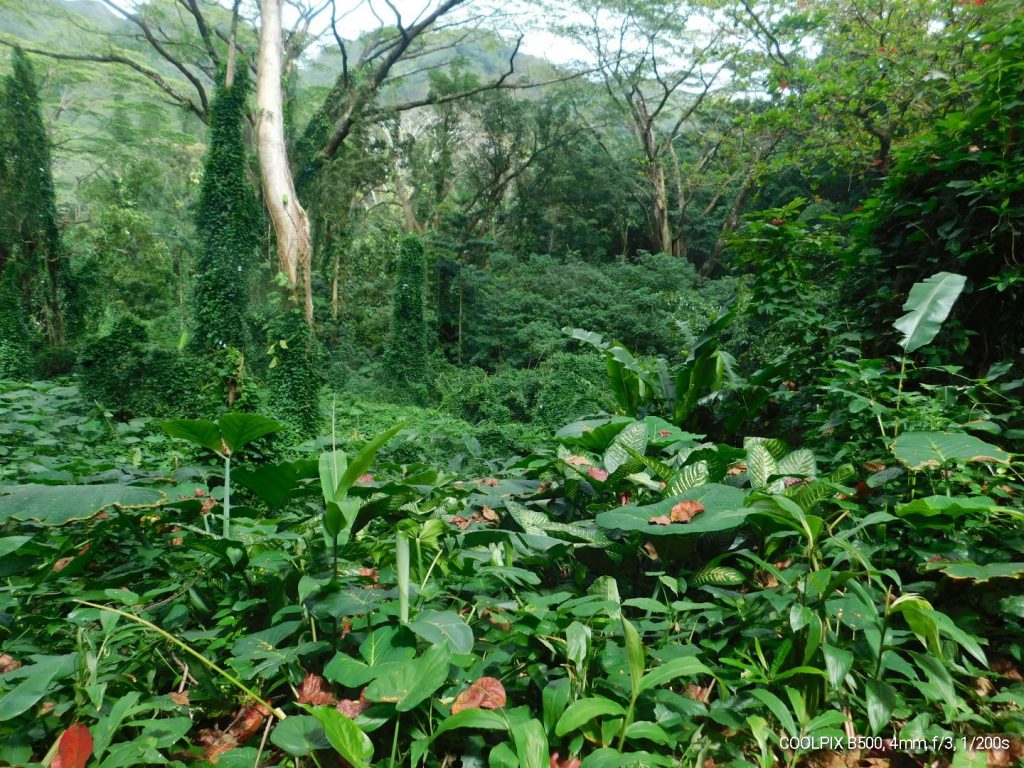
(406, 362)
(31, 241)
(227, 222)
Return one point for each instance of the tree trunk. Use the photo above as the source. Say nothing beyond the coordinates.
(291, 225)
(661, 224)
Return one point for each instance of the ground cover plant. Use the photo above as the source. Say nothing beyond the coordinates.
(375, 393)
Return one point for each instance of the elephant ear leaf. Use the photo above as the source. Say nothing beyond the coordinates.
(199, 431)
(363, 459)
(239, 429)
(927, 307)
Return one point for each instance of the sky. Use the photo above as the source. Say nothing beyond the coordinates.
(356, 17)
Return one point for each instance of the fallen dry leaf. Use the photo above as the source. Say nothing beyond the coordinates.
(312, 692)
(685, 511)
(1006, 668)
(74, 748)
(659, 520)
(489, 515)
(351, 708)
(179, 698)
(8, 663)
(460, 521)
(567, 763)
(485, 693)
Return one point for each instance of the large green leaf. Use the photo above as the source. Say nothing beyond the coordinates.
(583, 711)
(60, 504)
(345, 736)
(406, 685)
(975, 572)
(683, 666)
(760, 465)
(633, 437)
(363, 459)
(444, 626)
(199, 431)
(240, 429)
(531, 745)
(935, 449)
(723, 510)
(927, 307)
(298, 735)
(36, 684)
(690, 476)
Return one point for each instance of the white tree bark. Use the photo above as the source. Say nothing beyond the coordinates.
(291, 225)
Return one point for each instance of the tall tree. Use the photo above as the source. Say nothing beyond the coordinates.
(34, 234)
(291, 224)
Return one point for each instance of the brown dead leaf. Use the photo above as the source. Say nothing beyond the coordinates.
(248, 722)
(489, 515)
(697, 692)
(659, 520)
(650, 550)
(485, 693)
(353, 708)
(579, 461)
(873, 466)
(180, 698)
(370, 573)
(215, 743)
(8, 663)
(312, 692)
(460, 522)
(1006, 668)
(685, 511)
(739, 469)
(983, 686)
(61, 564)
(490, 482)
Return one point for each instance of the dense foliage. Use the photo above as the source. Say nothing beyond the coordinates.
(661, 409)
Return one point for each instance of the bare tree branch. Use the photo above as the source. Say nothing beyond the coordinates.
(114, 58)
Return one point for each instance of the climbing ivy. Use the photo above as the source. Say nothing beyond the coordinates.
(406, 362)
(227, 221)
(32, 236)
(294, 375)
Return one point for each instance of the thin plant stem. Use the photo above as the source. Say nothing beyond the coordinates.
(275, 711)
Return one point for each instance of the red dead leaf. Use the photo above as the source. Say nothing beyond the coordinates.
(370, 573)
(74, 749)
(567, 763)
(485, 693)
(685, 511)
(598, 474)
(660, 520)
(460, 521)
(353, 708)
(312, 692)
(248, 722)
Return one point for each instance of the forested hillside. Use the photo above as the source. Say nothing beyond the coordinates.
(563, 385)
